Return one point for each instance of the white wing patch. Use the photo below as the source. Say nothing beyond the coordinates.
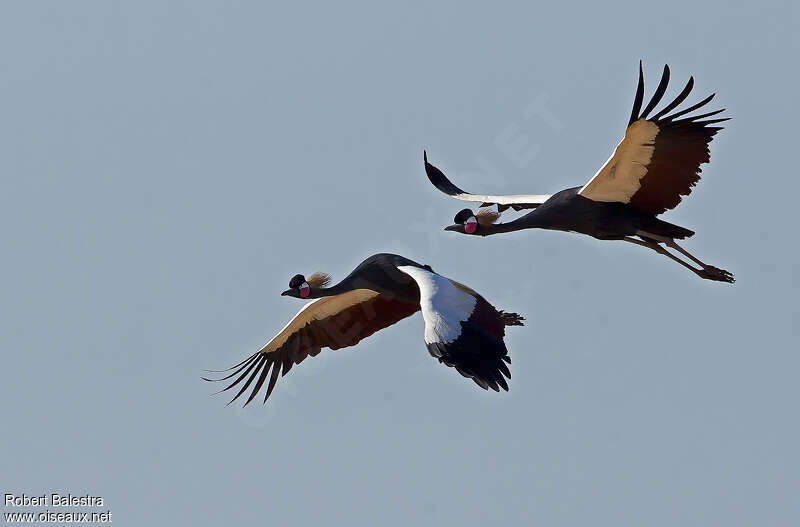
(533, 199)
(444, 306)
(620, 177)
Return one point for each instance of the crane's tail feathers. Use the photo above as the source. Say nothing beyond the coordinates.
(670, 230)
(680, 233)
(512, 319)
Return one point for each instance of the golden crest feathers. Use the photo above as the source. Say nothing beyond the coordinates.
(487, 216)
(318, 280)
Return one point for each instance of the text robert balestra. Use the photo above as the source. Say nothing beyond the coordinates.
(52, 500)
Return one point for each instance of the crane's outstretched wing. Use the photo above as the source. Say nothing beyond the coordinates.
(331, 322)
(463, 330)
(517, 201)
(659, 159)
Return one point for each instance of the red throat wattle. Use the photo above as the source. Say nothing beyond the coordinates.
(305, 291)
(470, 227)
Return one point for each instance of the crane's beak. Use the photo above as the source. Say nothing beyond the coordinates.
(456, 228)
(288, 292)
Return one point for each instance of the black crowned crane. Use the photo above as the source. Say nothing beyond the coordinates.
(656, 163)
(462, 329)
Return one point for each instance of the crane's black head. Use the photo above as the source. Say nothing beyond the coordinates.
(298, 287)
(464, 222)
(302, 287)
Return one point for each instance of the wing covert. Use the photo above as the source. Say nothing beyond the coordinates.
(331, 322)
(658, 161)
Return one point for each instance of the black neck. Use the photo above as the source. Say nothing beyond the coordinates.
(377, 273)
(524, 222)
(334, 290)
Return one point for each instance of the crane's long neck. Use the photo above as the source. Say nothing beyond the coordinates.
(380, 274)
(342, 287)
(528, 221)
(350, 283)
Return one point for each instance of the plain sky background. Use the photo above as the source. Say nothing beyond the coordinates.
(168, 166)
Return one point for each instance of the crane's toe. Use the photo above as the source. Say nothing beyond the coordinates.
(710, 272)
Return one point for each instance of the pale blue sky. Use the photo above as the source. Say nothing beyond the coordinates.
(168, 166)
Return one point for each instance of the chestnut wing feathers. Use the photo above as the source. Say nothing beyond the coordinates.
(331, 322)
(675, 166)
(658, 161)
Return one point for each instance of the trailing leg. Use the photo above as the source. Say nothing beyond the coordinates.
(709, 272)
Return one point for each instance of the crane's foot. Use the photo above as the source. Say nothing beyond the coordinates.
(709, 272)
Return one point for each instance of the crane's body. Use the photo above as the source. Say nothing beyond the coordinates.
(653, 167)
(462, 330)
(569, 211)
